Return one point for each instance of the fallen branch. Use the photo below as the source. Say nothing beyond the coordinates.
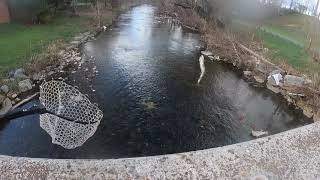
(190, 28)
(24, 101)
(234, 48)
(256, 55)
(183, 6)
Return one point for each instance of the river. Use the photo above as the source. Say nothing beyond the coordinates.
(147, 88)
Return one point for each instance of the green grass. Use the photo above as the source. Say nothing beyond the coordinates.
(294, 35)
(286, 51)
(18, 42)
(291, 27)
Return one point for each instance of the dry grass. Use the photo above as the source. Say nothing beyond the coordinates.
(49, 57)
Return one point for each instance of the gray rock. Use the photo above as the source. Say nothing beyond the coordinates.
(25, 85)
(290, 80)
(20, 74)
(6, 106)
(36, 76)
(4, 88)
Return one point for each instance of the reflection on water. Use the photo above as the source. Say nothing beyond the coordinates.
(147, 88)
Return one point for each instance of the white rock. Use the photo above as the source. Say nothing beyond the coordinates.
(275, 79)
(259, 133)
(25, 85)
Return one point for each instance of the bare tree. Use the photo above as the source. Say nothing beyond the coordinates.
(292, 4)
(316, 8)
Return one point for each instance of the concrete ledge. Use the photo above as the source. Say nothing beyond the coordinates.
(293, 154)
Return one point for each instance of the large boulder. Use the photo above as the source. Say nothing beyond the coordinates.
(20, 74)
(25, 85)
(290, 80)
(5, 107)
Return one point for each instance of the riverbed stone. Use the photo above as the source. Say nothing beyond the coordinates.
(290, 80)
(25, 85)
(20, 74)
(5, 107)
(4, 89)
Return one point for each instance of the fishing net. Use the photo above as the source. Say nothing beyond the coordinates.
(73, 119)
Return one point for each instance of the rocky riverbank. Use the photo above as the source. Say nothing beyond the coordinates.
(248, 55)
(21, 84)
(295, 89)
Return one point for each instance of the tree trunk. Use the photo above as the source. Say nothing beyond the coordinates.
(291, 4)
(316, 8)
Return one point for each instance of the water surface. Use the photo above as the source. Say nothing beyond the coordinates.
(147, 88)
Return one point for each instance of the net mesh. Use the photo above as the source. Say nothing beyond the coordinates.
(74, 118)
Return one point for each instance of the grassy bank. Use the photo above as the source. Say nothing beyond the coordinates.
(286, 38)
(18, 42)
(285, 50)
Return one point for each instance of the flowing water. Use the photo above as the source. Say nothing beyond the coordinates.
(147, 88)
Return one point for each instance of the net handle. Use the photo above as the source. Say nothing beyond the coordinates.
(39, 110)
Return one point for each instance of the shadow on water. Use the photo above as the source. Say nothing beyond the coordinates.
(147, 88)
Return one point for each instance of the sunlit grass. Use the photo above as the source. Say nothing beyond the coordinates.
(18, 41)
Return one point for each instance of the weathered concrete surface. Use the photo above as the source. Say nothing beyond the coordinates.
(293, 154)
